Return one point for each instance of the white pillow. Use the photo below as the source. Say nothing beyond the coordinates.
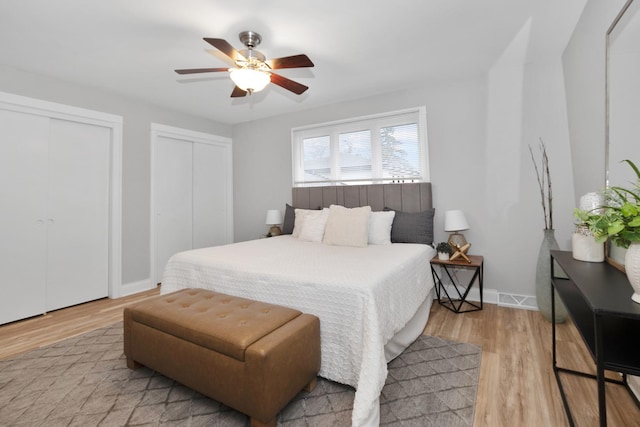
(313, 225)
(380, 227)
(347, 226)
(300, 215)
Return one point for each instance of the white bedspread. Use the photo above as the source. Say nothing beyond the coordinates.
(363, 296)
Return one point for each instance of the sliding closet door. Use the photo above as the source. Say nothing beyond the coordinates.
(23, 175)
(173, 193)
(210, 194)
(192, 204)
(78, 213)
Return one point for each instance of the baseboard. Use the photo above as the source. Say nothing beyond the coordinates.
(136, 287)
(634, 385)
(492, 296)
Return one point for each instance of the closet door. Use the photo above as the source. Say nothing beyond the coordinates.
(23, 176)
(210, 187)
(173, 195)
(78, 213)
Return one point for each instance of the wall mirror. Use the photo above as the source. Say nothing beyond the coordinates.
(623, 95)
(622, 105)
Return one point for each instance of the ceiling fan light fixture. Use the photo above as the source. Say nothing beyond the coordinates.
(249, 79)
(252, 72)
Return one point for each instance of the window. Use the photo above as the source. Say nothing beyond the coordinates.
(385, 148)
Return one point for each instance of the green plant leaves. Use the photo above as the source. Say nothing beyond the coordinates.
(628, 210)
(619, 218)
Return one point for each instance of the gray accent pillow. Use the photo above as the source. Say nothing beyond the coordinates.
(412, 227)
(289, 219)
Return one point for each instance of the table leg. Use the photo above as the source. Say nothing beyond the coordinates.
(602, 404)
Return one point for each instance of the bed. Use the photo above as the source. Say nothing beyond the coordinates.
(372, 301)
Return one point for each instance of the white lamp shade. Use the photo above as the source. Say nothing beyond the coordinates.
(250, 80)
(273, 217)
(455, 221)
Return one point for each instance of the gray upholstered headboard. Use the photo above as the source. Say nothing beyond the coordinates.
(411, 197)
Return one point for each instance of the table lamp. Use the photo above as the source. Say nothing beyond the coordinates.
(455, 222)
(274, 219)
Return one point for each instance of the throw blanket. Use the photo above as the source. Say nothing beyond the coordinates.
(363, 296)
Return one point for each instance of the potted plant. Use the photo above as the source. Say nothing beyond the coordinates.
(619, 220)
(444, 250)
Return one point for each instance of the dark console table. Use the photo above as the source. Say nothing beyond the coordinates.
(598, 299)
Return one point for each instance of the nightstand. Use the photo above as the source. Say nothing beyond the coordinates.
(451, 297)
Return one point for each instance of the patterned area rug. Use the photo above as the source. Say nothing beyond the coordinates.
(84, 381)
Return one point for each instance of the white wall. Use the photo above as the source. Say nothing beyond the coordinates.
(479, 129)
(262, 149)
(584, 74)
(137, 119)
(479, 156)
(495, 186)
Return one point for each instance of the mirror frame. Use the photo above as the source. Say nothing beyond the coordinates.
(607, 72)
(607, 142)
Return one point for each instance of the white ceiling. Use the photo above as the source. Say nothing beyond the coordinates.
(359, 47)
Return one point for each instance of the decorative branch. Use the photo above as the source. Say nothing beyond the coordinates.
(549, 190)
(544, 178)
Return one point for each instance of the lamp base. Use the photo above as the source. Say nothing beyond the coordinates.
(275, 231)
(457, 239)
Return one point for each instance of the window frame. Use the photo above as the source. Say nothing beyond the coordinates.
(372, 123)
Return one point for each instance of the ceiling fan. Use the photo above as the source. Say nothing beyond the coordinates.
(252, 72)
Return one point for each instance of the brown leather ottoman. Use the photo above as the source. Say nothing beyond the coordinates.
(251, 356)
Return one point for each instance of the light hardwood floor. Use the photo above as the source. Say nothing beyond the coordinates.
(516, 388)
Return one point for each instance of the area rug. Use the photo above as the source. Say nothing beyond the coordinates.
(84, 381)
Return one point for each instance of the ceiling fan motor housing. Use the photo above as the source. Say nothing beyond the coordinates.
(250, 39)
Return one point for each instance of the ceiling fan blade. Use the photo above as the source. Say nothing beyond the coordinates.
(224, 47)
(288, 84)
(238, 93)
(201, 70)
(295, 61)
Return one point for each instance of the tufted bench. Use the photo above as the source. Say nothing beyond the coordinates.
(251, 356)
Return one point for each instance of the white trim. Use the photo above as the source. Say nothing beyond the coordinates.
(196, 136)
(489, 296)
(634, 385)
(333, 128)
(502, 299)
(158, 130)
(39, 107)
(422, 109)
(137, 287)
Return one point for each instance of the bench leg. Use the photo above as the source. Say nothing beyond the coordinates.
(312, 384)
(257, 423)
(132, 364)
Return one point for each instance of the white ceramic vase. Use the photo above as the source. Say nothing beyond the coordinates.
(585, 247)
(632, 267)
(443, 256)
